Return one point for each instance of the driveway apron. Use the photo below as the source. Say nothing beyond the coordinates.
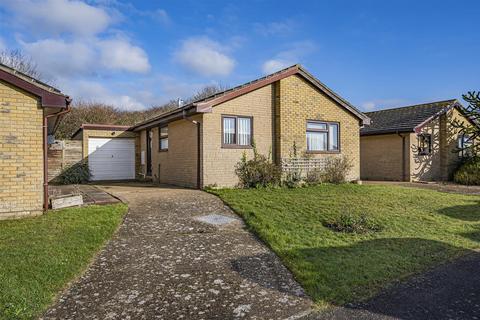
(166, 263)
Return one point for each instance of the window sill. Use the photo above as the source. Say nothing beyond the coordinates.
(235, 146)
(323, 152)
(163, 150)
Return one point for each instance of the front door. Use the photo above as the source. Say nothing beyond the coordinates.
(149, 152)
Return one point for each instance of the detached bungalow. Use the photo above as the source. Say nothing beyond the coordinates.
(413, 143)
(29, 111)
(200, 143)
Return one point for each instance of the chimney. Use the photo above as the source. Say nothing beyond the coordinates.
(180, 103)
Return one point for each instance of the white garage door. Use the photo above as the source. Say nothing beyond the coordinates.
(111, 159)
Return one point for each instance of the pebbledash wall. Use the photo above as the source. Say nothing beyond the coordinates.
(280, 112)
(21, 153)
(381, 155)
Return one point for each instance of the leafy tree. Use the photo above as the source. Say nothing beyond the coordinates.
(471, 132)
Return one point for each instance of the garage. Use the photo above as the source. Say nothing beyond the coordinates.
(111, 159)
(110, 151)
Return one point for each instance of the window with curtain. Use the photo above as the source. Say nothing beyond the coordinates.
(163, 138)
(323, 136)
(236, 131)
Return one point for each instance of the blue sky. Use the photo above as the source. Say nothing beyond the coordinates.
(135, 54)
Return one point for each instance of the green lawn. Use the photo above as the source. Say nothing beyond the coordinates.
(39, 256)
(421, 228)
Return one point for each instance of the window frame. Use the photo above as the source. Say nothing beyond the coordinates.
(327, 131)
(423, 152)
(236, 145)
(160, 138)
(464, 149)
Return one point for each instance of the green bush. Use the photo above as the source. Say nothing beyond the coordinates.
(353, 223)
(75, 174)
(257, 172)
(469, 172)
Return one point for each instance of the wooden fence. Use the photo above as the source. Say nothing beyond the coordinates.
(62, 154)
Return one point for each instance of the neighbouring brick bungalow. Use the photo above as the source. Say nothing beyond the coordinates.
(29, 111)
(200, 143)
(413, 143)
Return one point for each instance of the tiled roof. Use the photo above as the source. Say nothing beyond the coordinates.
(403, 119)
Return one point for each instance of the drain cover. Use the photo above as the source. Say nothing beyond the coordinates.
(215, 219)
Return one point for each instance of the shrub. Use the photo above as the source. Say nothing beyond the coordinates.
(335, 170)
(469, 172)
(257, 172)
(353, 223)
(75, 174)
(314, 176)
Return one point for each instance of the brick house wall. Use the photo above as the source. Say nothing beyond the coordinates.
(298, 101)
(219, 163)
(381, 157)
(177, 165)
(21, 153)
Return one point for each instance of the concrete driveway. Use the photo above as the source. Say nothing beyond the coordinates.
(165, 263)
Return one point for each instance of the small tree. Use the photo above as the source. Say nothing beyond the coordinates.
(471, 132)
(17, 60)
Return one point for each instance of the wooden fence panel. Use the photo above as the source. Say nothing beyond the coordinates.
(63, 154)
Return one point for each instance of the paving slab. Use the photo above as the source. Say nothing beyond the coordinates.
(166, 264)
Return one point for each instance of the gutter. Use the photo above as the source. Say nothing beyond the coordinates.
(199, 126)
(45, 148)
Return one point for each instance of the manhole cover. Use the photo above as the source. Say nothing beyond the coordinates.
(215, 219)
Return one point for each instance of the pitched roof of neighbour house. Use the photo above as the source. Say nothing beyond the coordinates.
(204, 105)
(92, 126)
(406, 119)
(50, 97)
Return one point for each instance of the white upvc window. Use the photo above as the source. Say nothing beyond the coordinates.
(237, 131)
(323, 136)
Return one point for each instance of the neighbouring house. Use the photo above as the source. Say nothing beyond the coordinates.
(200, 143)
(413, 143)
(29, 112)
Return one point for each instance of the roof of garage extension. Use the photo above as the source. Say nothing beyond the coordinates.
(204, 105)
(107, 127)
(406, 119)
(49, 96)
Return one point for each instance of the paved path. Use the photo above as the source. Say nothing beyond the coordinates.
(450, 291)
(164, 264)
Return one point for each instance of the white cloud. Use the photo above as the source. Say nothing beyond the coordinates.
(94, 91)
(61, 58)
(59, 16)
(369, 106)
(291, 55)
(274, 28)
(204, 56)
(119, 54)
(274, 65)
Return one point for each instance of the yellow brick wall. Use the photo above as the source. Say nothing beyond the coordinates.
(381, 157)
(219, 163)
(178, 165)
(299, 101)
(21, 153)
(119, 134)
(442, 162)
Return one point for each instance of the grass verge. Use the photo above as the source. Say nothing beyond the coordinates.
(39, 256)
(420, 228)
